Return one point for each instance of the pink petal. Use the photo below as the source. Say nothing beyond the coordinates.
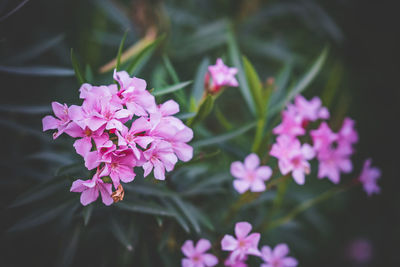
(106, 190)
(210, 260)
(281, 250)
(147, 167)
(242, 229)
(95, 123)
(59, 110)
(298, 176)
(202, 246)
(89, 195)
(241, 186)
(183, 151)
(187, 263)
(251, 162)
(253, 239)
(308, 151)
(159, 171)
(83, 146)
(188, 248)
(126, 174)
(289, 262)
(140, 125)
(238, 170)
(228, 243)
(49, 122)
(91, 160)
(264, 172)
(258, 186)
(266, 253)
(78, 186)
(169, 108)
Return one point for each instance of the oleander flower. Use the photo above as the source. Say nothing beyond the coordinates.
(244, 243)
(90, 189)
(277, 257)
(221, 76)
(291, 124)
(235, 263)
(196, 256)
(63, 121)
(249, 175)
(310, 110)
(323, 137)
(293, 157)
(369, 177)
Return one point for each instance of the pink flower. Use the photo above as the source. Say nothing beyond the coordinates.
(103, 154)
(134, 94)
(90, 190)
(277, 257)
(369, 177)
(310, 110)
(62, 123)
(333, 161)
(134, 136)
(293, 157)
(221, 76)
(244, 244)
(347, 136)
(323, 137)
(120, 168)
(161, 157)
(249, 175)
(291, 125)
(196, 256)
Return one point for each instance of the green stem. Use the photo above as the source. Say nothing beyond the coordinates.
(259, 135)
(304, 206)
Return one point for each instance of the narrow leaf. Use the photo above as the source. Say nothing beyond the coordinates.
(13, 10)
(204, 109)
(198, 86)
(37, 71)
(187, 211)
(224, 137)
(254, 85)
(26, 110)
(77, 69)
(235, 57)
(121, 47)
(120, 234)
(87, 214)
(171, 89)
(144, 207)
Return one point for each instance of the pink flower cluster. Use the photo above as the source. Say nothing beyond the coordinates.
(221, 76)
(332, 150)
(244, 245)
(118, 129)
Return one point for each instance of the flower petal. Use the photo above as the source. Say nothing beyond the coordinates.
(251, 162)
(228, 243)
(242, 229)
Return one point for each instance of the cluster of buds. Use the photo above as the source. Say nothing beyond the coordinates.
(119, 127)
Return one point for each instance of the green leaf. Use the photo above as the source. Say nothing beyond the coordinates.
(149, 190)
(89, 74)
(114, 13)
(37, 71)
(171, 70)
(204, 109)
(38, 193)
(224, 137)
(87, 214)
(235, 57)
(198, 86)
(179, 218)
(187, 211)
(201, 216)
(121, 47)
(255, 86)
(171, 89)
(71, 245)
(309, 76)
(143, 56)
(145, 207)
(278, 97)
(39, 218)
(26, 110)
(120, 234)
(77, 69)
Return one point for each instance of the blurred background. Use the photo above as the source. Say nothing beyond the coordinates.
(358, 80)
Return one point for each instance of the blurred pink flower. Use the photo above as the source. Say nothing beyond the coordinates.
(249, 175)
(244, 243)
(235, 263)
(333, 161)
(291, 124)
(360, 250)
(369, 177)
(310, 110)
(196, 256)
(293, 157)
(222, 75)
(323, 137)
(277, 257)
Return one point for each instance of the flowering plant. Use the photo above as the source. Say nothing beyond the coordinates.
(225, 169)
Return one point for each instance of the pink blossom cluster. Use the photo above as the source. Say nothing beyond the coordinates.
(245, 244)
(332, 150)
(119, 127)
(221, 76)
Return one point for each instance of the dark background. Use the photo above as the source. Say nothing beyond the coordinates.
(368, 52)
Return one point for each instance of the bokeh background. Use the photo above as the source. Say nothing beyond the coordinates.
(360, 79)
